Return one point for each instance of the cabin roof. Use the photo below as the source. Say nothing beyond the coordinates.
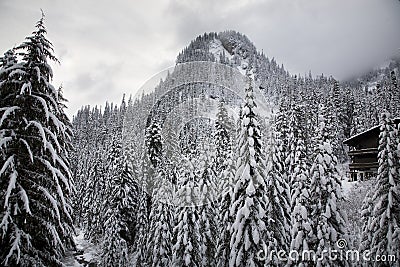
(374, 131)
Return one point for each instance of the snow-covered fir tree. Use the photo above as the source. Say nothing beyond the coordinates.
(366, 218)
(160, 237)
(154, 143)
(383, 230)
(225, 219)
(114, 248)
(120, 208)
(277, 235)
(141, 229)
(36, 182)
(327, 220)
(93, 197)
(222, 138)
(297, 167)
(187, 249)
(208, 209)
(248, 202)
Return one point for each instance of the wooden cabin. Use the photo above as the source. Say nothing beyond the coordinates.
(363, 151)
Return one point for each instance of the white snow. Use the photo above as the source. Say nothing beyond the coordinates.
(53, 202)
(26, 87)
(13, 178)
(4, 141)
(44, 104)
(89, 252)
(41, 131)
(7, 112)
(347, 186)
(27, 148)
(25, 199)
(217, 49)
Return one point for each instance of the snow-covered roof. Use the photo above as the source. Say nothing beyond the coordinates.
(360, 134)
(396, 121)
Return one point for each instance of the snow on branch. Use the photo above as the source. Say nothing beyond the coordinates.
(11, 185)
(56, 173)
(58, 124)
(53, 202)
(54, 137)
(44, 105)
(4, 221)
(7, 112)
(26, 87)
(41, 131)
(4, 141)
(28, 148)
(25, 199)
(52, 230)
(15, 247)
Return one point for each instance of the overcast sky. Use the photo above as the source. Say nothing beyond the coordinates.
(108, 48)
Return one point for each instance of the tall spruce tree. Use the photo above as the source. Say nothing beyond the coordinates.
(328, 221)
(36, 182)
(120, 208)
(222, 138)
(225, 220)
(297, 167)
(160, 238)
(208, 210)
(187, 250)
(277, 235)
(366, 219)
(383, 229)
(248, 203)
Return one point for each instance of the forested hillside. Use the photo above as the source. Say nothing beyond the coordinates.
(299, 143)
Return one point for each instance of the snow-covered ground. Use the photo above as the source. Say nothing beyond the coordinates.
(354, 194)
(86, 254)
(217, 49)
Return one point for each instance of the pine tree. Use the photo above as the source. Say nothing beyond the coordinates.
(282, 127)
(248, 203)
(120, 208)
(94, 195)
(208, 209)
(222, 138)
(395, 101)
(277, 235)
(114, 248)
(154, 143)
(301, 232)
(160, 238)
(36, 182)
(187, 250)
(328, 222)
(366, 218)
(141, 230)
(225, 220)
(383, 228)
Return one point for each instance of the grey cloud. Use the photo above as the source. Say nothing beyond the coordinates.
(111, 47)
